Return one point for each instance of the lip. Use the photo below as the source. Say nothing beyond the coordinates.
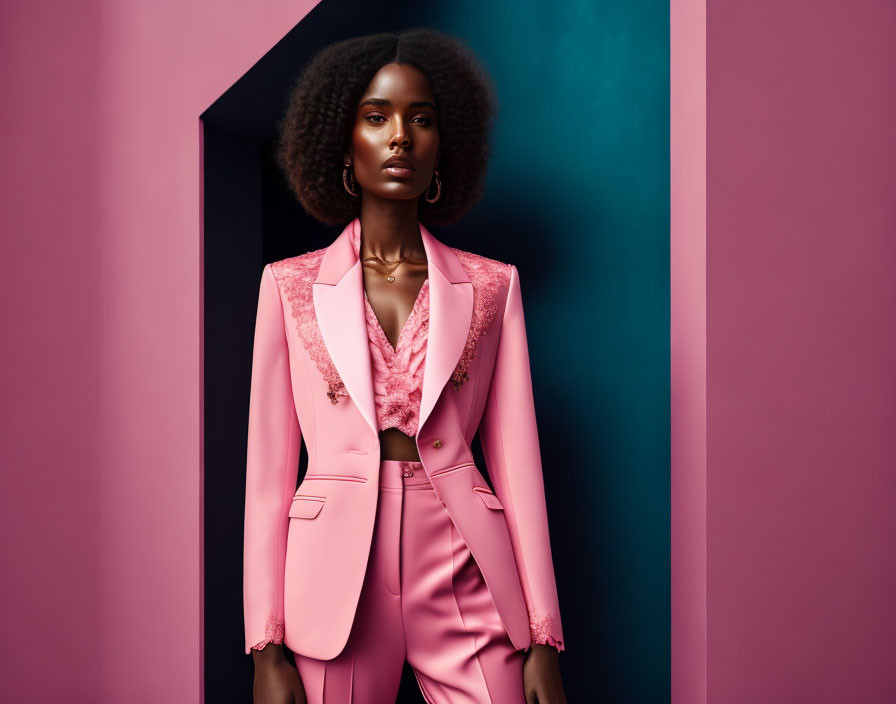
(397, 161)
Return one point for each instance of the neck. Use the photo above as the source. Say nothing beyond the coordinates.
(391, 234)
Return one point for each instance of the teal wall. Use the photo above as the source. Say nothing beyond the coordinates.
(580, 176)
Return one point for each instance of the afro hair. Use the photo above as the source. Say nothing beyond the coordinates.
(316, 126)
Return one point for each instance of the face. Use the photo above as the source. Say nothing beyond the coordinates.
(395, 117)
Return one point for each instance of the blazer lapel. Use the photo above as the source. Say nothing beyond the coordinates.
(338, 294)
(450, 315)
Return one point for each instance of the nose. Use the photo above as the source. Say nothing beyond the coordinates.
(400, 140)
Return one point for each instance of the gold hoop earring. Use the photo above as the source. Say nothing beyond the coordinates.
(345, 179)
(438, 188)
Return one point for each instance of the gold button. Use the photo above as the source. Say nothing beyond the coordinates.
(437, 443)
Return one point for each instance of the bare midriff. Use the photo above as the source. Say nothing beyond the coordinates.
(395, 445)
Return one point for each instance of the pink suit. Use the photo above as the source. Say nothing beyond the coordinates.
(307, 550)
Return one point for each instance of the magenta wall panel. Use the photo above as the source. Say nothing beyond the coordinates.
(800, 403)
(100, 496)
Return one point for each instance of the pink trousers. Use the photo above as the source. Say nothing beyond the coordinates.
(423, 600)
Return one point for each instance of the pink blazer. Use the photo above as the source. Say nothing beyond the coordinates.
(306, 549)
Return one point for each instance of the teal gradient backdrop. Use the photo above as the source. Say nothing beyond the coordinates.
(580, 174)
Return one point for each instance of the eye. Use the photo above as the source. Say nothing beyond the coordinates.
(379, 119)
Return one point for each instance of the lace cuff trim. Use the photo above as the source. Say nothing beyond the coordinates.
(273, 633)
(540, 628)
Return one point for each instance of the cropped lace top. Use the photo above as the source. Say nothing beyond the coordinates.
(398, 372)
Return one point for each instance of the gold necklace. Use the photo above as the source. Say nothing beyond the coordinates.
(390, 278)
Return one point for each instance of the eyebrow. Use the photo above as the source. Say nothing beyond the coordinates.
(385, 101)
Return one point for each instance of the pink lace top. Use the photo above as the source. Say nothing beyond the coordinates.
(398, 372)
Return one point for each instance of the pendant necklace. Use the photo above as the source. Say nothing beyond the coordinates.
(390, 278)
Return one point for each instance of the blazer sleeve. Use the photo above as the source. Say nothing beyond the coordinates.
(509, 439)
(271, 471)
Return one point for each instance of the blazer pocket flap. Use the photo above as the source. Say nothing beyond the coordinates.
(489, 499)
(305, 507)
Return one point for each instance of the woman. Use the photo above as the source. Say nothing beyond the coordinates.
(387, 351)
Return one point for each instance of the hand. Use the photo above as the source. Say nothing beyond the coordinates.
(541, 676)
(276, 680)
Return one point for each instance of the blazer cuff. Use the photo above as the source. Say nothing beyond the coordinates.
(273, 633)
(543, 631)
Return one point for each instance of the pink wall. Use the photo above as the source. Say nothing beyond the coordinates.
(782, 305)
(800, 306)
(99, 213)
(687, 253)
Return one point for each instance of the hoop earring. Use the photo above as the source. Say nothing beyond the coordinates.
(438, 189)
(345, 179)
